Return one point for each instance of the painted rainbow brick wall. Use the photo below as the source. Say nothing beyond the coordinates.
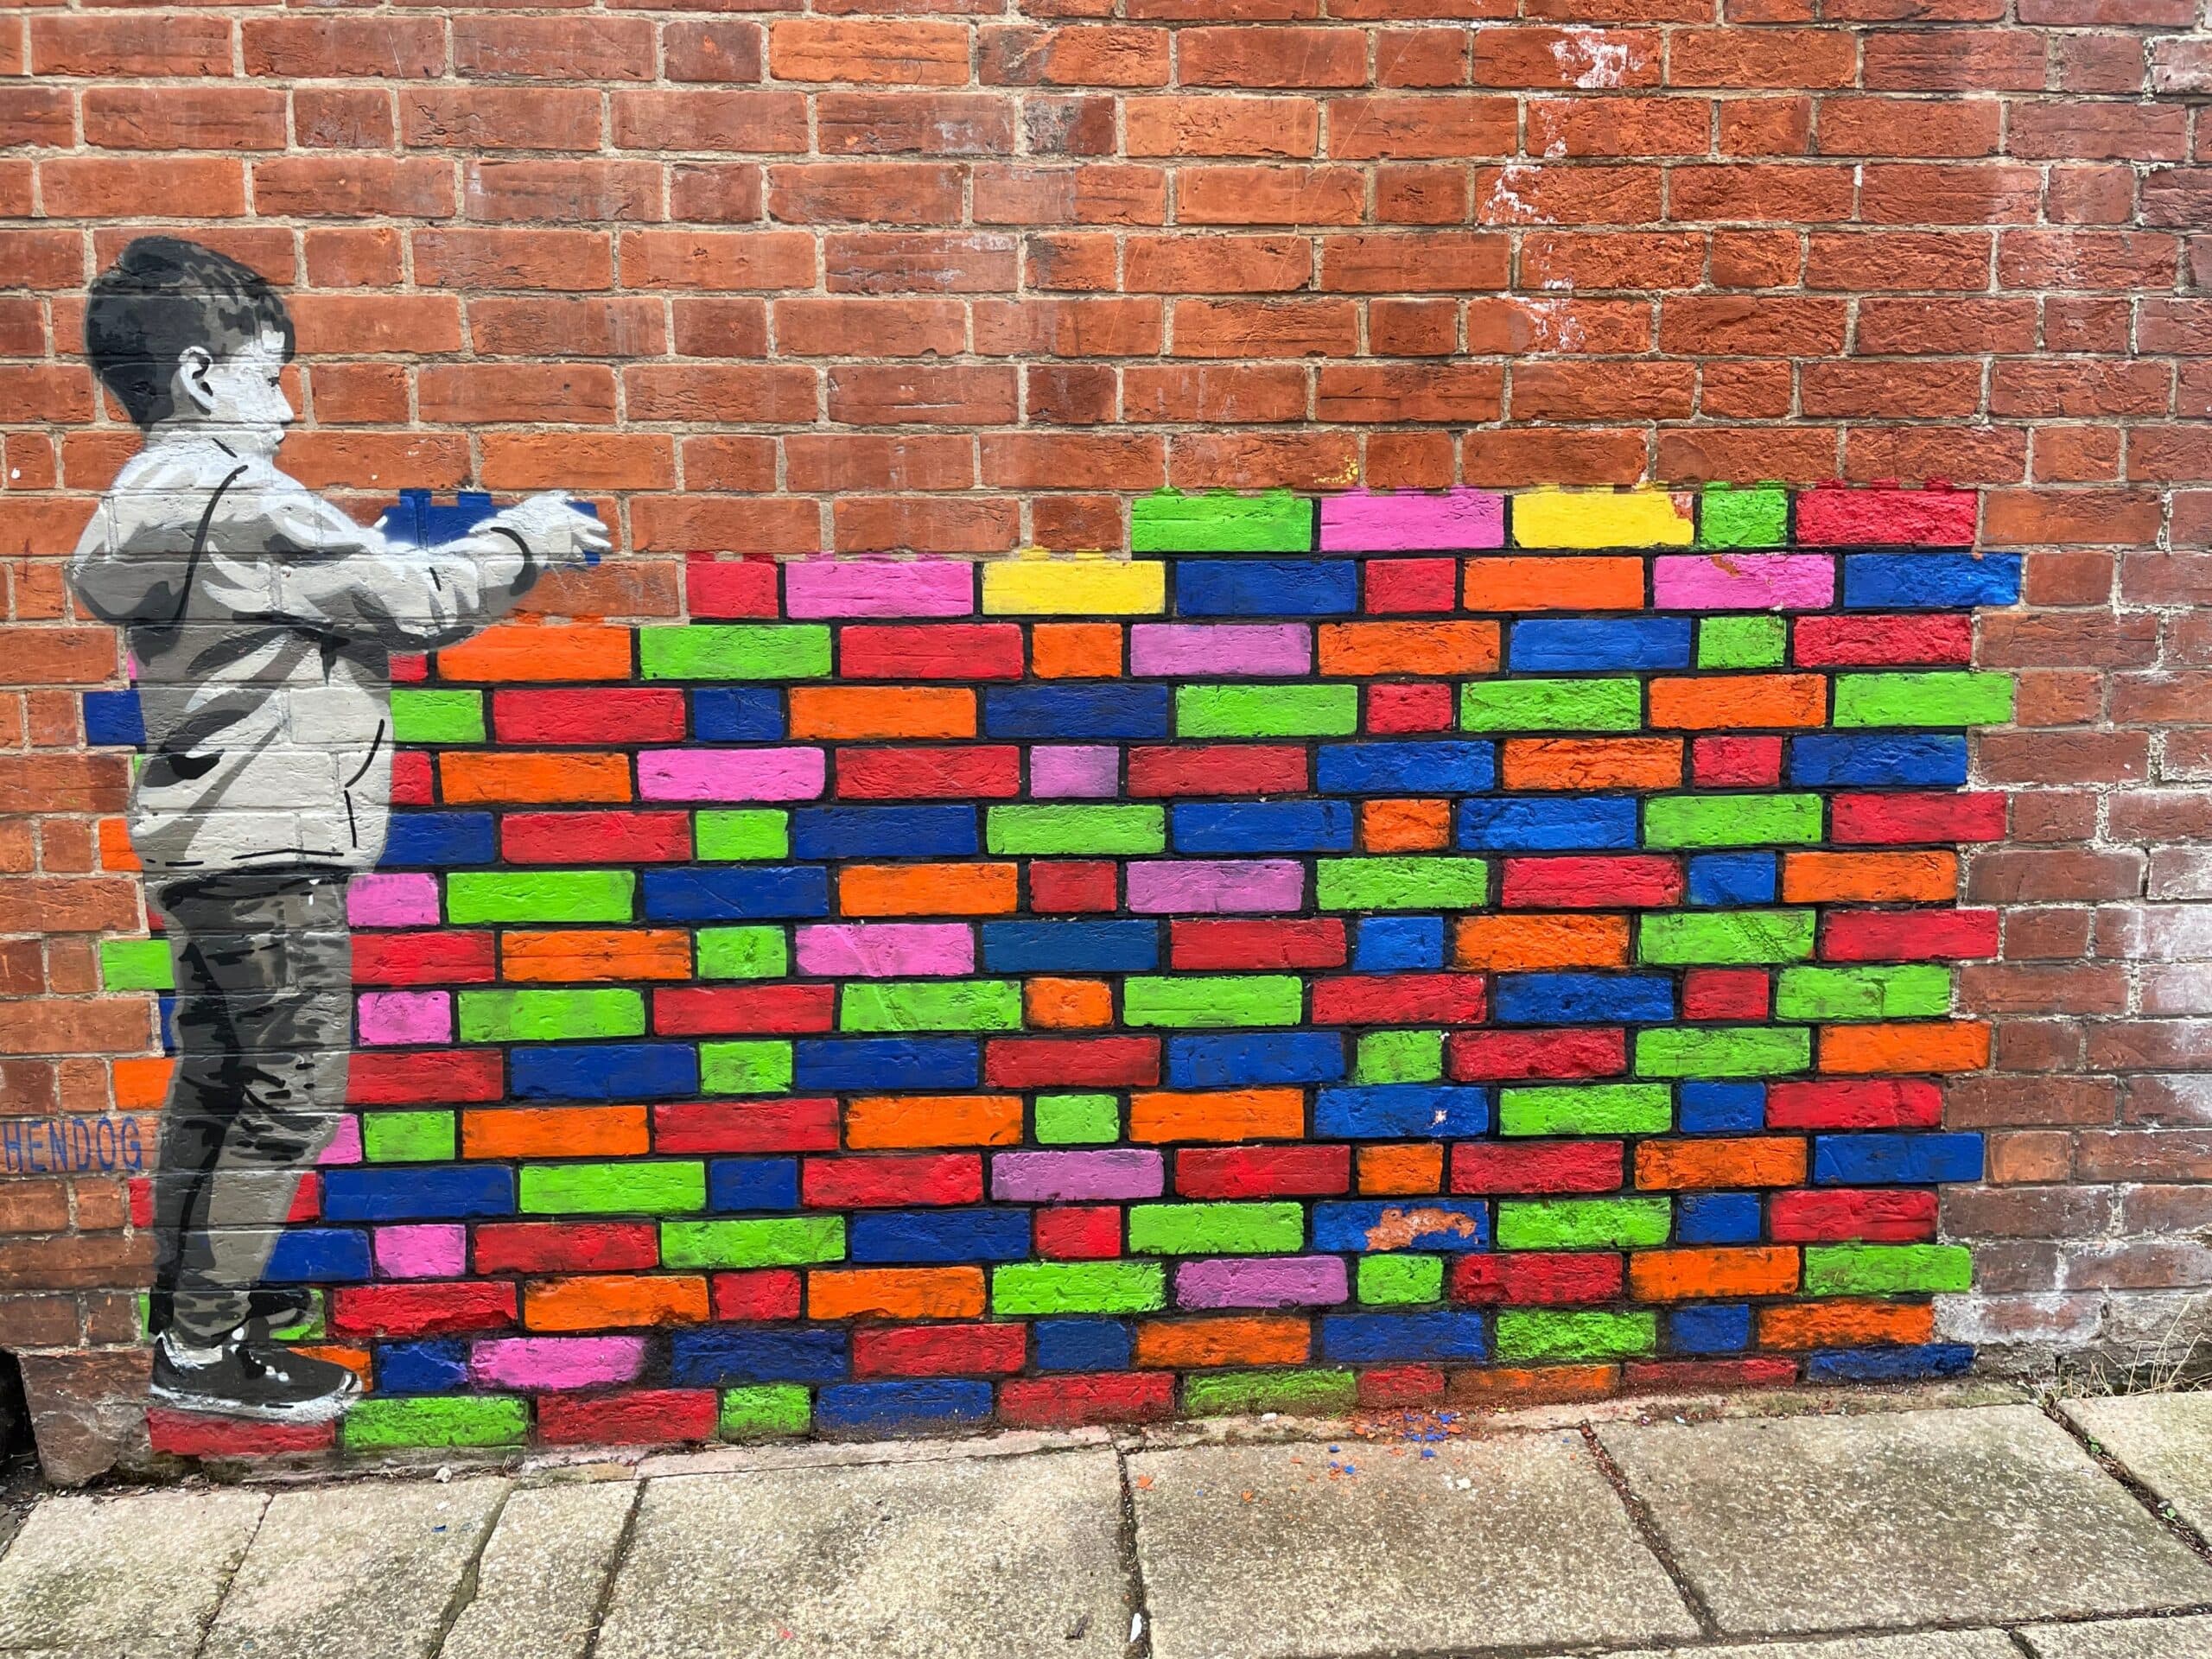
(1383, 950)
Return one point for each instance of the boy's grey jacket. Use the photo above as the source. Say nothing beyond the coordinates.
(260, 623)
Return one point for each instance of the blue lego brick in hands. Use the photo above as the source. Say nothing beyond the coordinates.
(603, 1070)
(1538, 824)
(1887, 1159)
(1877, 758)
(404, 1193)
(1453, 1225)
(883, 831)
(752, 1184)
(1263, 827)
(1583, 998)
(1570, 644)
(1266, 587)
(1390, 1111)
(1244, 1059)
(938, 1236)
(1387, 1337)
(1929, 581)
(1112, 947)
(1437, 766)
(419, 519)
(718, 1357)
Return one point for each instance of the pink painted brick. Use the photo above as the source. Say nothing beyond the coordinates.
(405, 1016)
(731, 774)
(1075, 772)
(1744, 581)
(424, 1252)
(1364, 523)
(556, 1362)
(1268, 648)
(887, 950)
(395, 900)
(827, 588)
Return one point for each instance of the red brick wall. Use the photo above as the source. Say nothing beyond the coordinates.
(772, 281)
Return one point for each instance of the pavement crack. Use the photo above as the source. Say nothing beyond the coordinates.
(616, 1558)
(230, 1578)
(2161, 1511)
(1140, 1640)
(1647, 1529)
(464, 1591)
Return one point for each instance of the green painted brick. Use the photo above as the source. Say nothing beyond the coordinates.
(1725, 1052)
(1215, 1228)
(1415, 882)
(1758, 517)
(1168, 521)
(1701, 937)
(1266, 710)
(136, 965)
(702, 650)
(1929, 699)
(1742, 642)
(931, 1004)
(742, 832)
(407, 1137)
(1390, 1279)
(1529, 1334)
(540, 895)
(1731, 820)
(748, 1066)
(1587, 1109)
(1228, 1394)
(1094, 830)
(771, 1241)
(743, 953)
(1583, 1223)
(1034, 1287)
(1914, 990)
(1887, 1269)
(550, 1016)
(1552, 706)
(438, 716)
(632, 1189)
(1078, 1120)
(1399, 1057)
(765, 1410)
(387, 1422)
(1215, 999)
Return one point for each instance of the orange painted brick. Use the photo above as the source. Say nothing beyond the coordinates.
(523, 651)
(1405, 826)
(555, 1132)
(874, 711)
(895, 1293)
(1515, 584)
(1868, 877)
(576, 955)
(873, 1121)
(1844, 1324)
(1531, 1385)
(1223, 1115)
(1748, 1161)
(354, 1359)
(1431, 648)
(1393, 1170)
(1068, 1004)
(1740, 702)
(1593, 762)
(926, 889)
(1254, 1339)
(1512, 944)
(1743, 1270)
(472, 779)
(141, 1085)
(1076, 651)
(613, 1301)
(1932, 1046)
(116, 851)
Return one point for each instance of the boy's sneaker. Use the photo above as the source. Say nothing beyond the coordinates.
(261, 1380)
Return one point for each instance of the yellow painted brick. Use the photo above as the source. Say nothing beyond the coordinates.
(1075, 587)
(1602, 519)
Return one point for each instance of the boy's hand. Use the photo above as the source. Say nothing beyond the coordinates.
(563, 534)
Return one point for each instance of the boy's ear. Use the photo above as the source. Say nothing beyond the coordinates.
(191, 387)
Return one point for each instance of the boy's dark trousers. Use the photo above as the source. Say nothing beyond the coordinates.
(263, 1022)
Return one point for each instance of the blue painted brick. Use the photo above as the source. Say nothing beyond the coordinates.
(1717, 1218)
(1883, 1160)
(1715, 1328)
(888, 1063)
(1385, 944)
(1556, 643)
(424, 838)
(1877, 758)
(714, 1357)
(1266, 587)
(1389, 1111)
(450, 1193)
(1583, 998)
(1722, 1108)
(114, 718)
(1889, 1364)
(1233, 1060)
(935, 1236)
(1264, 827)
(1460, 1224)
(901, 1408)
(1115, 947)
(882, 832)
(1054, 711)
(737, 713)
(1732, 879)
(1385, 1338)
(602, 1070)
(745, 893)
(314, 1255)
(1081, 1345)
(1438, 767)
(752, 1184)
(437, 1366)
(1929, 581)
(1538, 824)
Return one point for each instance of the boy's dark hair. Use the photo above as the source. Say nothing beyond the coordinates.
(160, 298)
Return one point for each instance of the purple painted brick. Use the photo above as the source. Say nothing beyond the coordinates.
(1052, 1176)
(1293, 1281)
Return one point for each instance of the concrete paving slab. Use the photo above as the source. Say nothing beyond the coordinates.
(539, 1582)
(1001, 1558)
(369, 1570)
(1252, 1551)
(2134, 1638)
(1958, 1517)
(1920, 1644)
(2165, 1440)
(122, 1578)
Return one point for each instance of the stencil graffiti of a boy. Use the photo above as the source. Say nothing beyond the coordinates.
(260, 623)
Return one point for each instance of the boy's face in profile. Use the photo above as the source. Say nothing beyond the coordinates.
(240, 397)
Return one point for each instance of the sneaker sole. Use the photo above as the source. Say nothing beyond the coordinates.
(306, 1414)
